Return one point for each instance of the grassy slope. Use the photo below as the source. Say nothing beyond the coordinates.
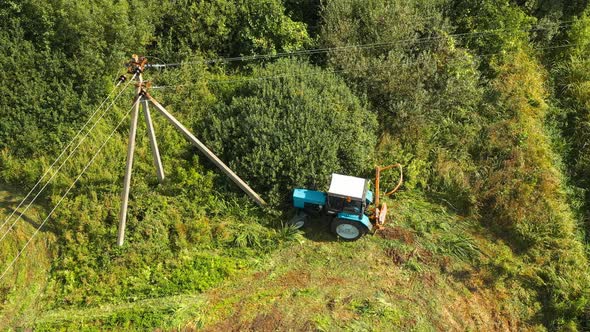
(427, 271)
(23, 288)
(389, 282)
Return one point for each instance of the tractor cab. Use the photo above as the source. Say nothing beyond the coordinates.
(347, 194)
(347, 200)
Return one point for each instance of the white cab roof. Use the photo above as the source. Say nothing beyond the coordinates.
(348, 186)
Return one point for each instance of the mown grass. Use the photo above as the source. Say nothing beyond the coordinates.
(387, 282)
(410, 276)
(169, 312)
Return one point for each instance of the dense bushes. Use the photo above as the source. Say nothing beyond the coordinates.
(522, 193)
(189, 240)
(479, 143)
(423, 87)
(293, 129)
(572, 78)
(57, 60)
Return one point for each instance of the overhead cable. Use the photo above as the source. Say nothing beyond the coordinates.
(345, 47)
(270, 77)
(62, 153)
(62, 164)
(67, 191)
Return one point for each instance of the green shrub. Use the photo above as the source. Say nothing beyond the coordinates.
(292, 130)
(523, 193)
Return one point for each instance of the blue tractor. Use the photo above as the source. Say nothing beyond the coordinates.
(353, 208)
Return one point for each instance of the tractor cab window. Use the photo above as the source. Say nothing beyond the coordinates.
(339, 204)
(353, 207)
(335, 203)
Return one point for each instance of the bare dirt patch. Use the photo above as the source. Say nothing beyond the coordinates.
(271, 321)
(397, 233)
(396, 256)
(479, 312)
(423, 255)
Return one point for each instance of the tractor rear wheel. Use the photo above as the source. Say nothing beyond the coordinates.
(348, 230)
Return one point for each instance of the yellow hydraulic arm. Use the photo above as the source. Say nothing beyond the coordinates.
(381, 210)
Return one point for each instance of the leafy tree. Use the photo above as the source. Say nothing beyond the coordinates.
(497, 26)
(60, 57)
(553, 9)
(226, 28)
(307, 11)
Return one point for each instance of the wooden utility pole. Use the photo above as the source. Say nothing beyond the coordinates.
(136, 67)
(129, 165)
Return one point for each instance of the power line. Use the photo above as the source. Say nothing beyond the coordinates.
(62, 164)
(265, 78)
(347, 47)
(67, 191)
(61, 154)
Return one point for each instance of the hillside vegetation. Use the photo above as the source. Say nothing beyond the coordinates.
(485, 103)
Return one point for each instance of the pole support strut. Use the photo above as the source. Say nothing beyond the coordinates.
(208, 153)
(153, 142)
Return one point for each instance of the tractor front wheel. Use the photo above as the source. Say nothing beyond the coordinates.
(298, 220)
(348, 230)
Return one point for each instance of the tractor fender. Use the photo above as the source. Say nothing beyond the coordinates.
(355, 217)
